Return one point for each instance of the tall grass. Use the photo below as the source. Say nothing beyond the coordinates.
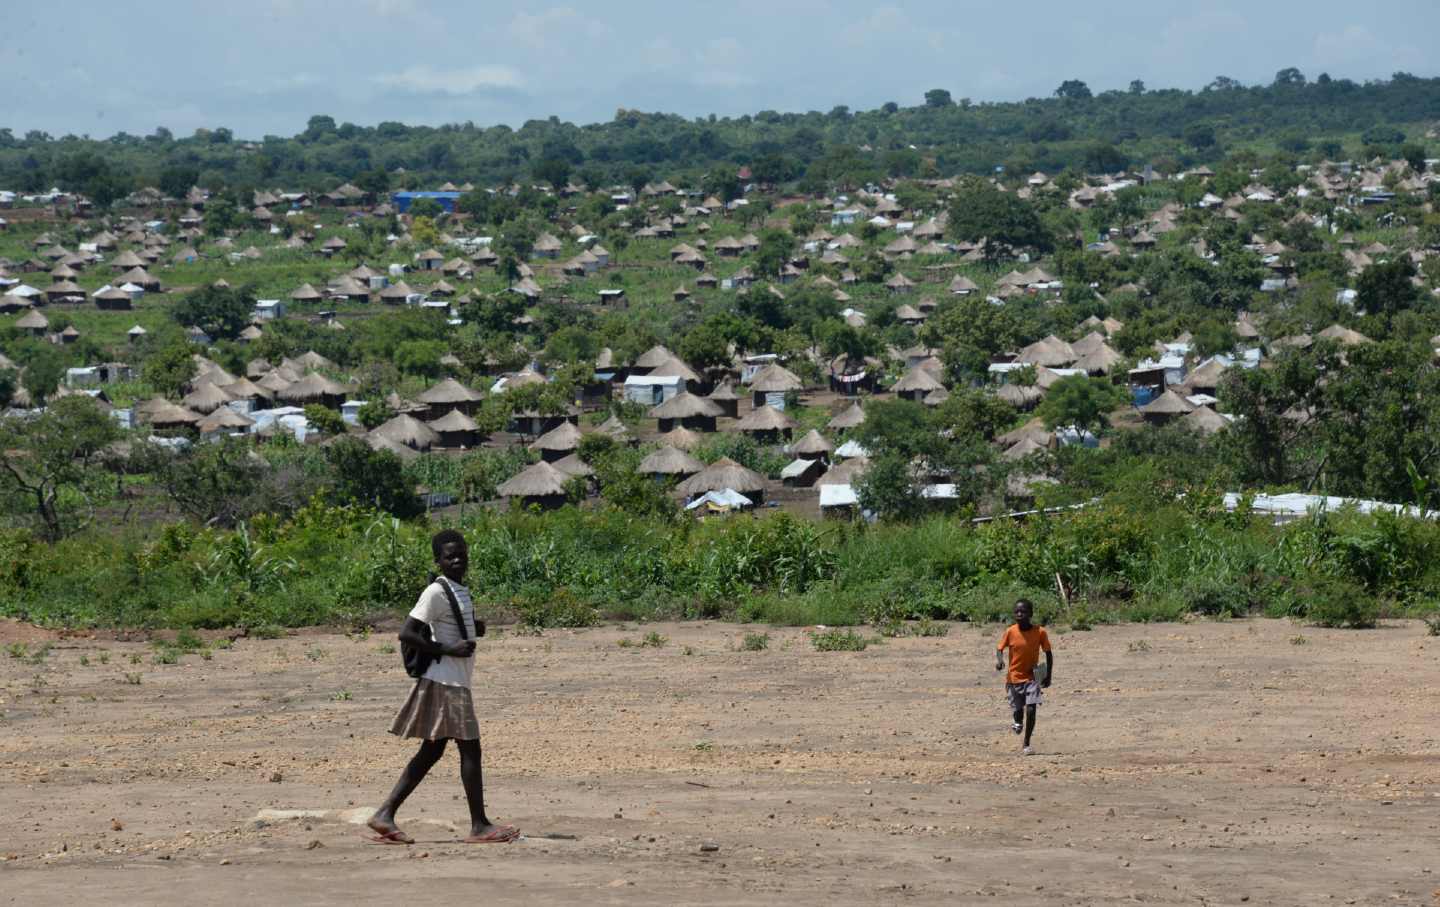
(1112, 562)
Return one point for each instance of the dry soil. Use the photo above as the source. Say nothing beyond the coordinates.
(1250, 762)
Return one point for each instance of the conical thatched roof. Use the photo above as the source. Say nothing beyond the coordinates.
(538, 481)
(33, 321)
(654, 357)
(846, 473)
(409, 431)
(725, 392)
(723, 473)
(1051, 351)
(812, 443)
(765, 418)
(453, 421)
(310, 388)
(1343, 335)
(775, 379)
(245, 389)
(670, 461)
(313, 360)
(681, 438)
(615, 429)
(675, 368)
(274, 381)
(850, 417)
(448, 392)
(305, 293)
(1168, 404)
(1089, 343)
(573, 466)
(686, 405)
(205, 398)
(1018, 395)
(917, 379)
(1034, 430)
(1204, 419)
(1022, 450)
(564, 436)
(1099, 361)
(160, 411)
(378, 442)
(224, 418)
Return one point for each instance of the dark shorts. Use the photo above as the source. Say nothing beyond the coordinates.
(1023, 694)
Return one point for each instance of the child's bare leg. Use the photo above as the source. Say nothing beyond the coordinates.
(472, 776)
(415, 771)
(1030, 711)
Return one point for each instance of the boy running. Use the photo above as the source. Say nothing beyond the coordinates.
(439, 707)
(1025, 642)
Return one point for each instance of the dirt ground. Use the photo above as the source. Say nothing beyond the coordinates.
(1208, 763)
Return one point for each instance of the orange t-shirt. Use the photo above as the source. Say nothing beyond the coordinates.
(1025, 647)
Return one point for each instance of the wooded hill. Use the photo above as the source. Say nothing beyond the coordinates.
(1109, 131)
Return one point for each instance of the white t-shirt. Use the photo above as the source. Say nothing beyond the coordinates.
(434, 609)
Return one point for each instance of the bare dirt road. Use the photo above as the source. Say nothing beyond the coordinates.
(1208, 763)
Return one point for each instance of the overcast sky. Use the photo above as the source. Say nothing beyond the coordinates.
(264, 66)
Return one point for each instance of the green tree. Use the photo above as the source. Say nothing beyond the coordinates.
(175, 181)
(221, 312)
(420, 358)
(888, 489)
(969, 331)
(425, 207)
(1080, 402)
(374, 414)
(775, 247)
(215, 484)
(1385, 288)
(1073, 89)
(980, 211)
(9, 383)
(52, 467)
(324, 419)
(169, 369)
(938, 97)
(44, 370)
(372, 478)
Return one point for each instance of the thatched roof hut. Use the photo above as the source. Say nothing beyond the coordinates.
(162, 414)
(812, 447)
(409, 431)
(456, 429)
(681, 439)
(652, 358)
(1165, 407)
(313, 388)
(205, 398)
(725, 397)
(916, 383)
(447, 396)
(689, 410)
(766, 424)
(226, 420)
(850, 417)
(541, 485)
(1050, 351)
(557, 443)
(670, 461)
(722, 474)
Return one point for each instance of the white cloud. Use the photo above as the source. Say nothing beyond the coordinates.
(559, 25)
(423, 78)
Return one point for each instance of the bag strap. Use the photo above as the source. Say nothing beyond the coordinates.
(454, 607)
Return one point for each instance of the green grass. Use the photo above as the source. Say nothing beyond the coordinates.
(755, 642)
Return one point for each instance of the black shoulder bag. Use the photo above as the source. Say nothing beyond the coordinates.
(418, 662)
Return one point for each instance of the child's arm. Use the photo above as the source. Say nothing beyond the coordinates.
(416, 633)
(1049, 668)
(1000, 657)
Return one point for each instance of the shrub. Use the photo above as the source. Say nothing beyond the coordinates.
(839, 641)
(557, 609)
(755, 642)
(1338, 604)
